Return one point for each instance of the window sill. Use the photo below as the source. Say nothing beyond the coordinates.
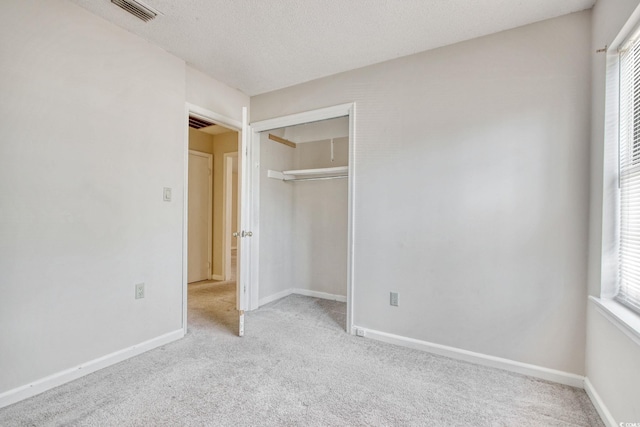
(623, 318)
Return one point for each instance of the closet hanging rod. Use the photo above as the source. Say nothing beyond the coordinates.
(321, 178)
(308, 174)
(337, 170)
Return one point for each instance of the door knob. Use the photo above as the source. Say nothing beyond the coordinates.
(235, 234)
(246, 233)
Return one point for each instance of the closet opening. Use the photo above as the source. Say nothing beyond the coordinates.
(212, 218)
(304, 216)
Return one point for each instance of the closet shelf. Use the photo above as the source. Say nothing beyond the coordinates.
(317, 173)
(310, 174)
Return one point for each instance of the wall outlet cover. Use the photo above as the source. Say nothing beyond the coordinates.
(360, 332)
(393, 300)
(139, 290)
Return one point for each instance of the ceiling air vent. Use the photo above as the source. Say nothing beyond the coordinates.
(197, 123)
(136, 9)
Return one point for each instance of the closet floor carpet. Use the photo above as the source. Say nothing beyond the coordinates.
(296, 367)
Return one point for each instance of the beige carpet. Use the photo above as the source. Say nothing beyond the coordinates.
(296, 367)
(212, 308)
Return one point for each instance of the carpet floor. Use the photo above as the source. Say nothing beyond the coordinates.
(296, 367)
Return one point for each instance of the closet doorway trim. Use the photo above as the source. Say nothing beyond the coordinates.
(326, 113)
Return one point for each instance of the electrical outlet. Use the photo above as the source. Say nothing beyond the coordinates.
(360, 332)
(393, 300)
(139, 290)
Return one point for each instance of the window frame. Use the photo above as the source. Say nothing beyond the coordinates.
(627, 290)
(603, 296)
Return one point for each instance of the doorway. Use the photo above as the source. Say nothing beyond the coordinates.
(212, 277)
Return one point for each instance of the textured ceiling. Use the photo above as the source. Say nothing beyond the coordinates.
(258, 46)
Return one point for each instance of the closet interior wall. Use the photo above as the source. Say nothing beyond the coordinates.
(276, 221)
(304, 224)
(320, 221)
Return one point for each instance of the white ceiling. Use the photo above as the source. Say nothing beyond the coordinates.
(258, 46)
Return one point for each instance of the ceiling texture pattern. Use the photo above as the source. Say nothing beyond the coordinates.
(258, 46)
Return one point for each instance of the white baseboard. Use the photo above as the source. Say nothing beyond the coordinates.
(602, 409)
(217, 277)
(316, 294)
(478, 358)
(305, 292)
(57, 379)
(274, 297)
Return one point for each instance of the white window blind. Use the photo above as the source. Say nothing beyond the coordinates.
(629, 256)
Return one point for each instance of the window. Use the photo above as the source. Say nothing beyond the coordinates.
(629, 133)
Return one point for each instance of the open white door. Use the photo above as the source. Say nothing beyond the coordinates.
(244, 234)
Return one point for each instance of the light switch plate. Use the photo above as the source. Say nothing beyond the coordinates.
(166, 194)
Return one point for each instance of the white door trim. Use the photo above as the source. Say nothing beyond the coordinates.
(292, 120)
(194, 110)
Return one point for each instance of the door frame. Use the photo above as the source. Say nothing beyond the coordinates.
(227, 191)
(256, 128)
(209, 158)
(203, 113)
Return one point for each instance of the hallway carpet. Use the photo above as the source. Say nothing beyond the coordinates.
(296, 367)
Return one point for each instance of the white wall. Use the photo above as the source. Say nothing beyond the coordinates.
(92, 128)
(318, 154)
(477, 153)
(317, 131)
(320, 214)
(276, 219)
(209, 93)
(613, 366)
(612, 358)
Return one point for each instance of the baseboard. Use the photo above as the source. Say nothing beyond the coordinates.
(274, 297)
(57, 379)
(217, 277)
(602, 409)
(305, 292)
(478, 358)
(316, 294)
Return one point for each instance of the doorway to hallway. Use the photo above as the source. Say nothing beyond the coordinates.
(212, 212)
